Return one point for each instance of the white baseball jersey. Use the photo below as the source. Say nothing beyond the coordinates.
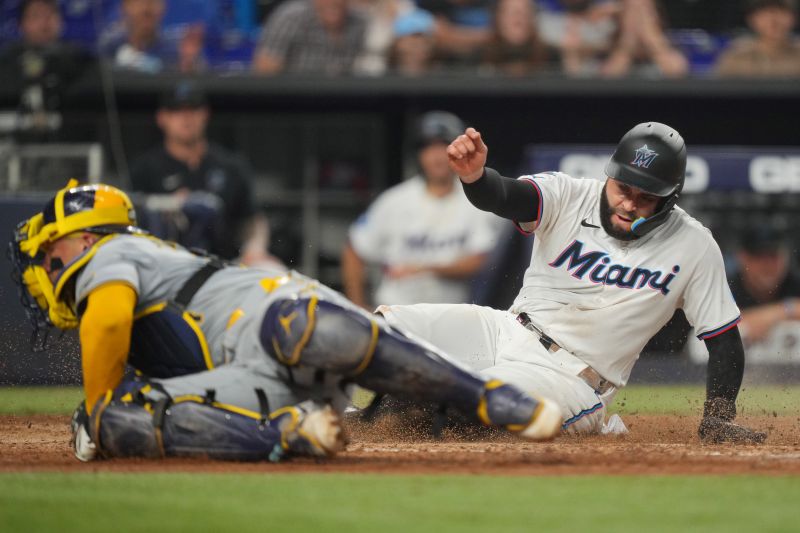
(602, 299)
(408, 226)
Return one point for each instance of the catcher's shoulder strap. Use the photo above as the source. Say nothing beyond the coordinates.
(193, 284)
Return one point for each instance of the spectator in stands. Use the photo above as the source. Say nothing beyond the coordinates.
(137, 43)
(772, 50)
(40, 65)
(413, 51)
(462, 29)
(379, 34)
(311, 36)
(766, 287)
(210, 186)
(582, 32)
(425, 234)
(642, 47)
(515, 48)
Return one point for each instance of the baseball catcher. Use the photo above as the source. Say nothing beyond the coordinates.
(611, 263)
(230, 362)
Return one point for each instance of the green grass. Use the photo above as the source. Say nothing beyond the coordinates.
(638, 399)
(42, 400)
(99, 501)
(688, 400)
(376, 503)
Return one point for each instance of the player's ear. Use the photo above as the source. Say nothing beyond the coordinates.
(89, 239)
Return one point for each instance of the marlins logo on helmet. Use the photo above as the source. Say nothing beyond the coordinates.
(644, 156)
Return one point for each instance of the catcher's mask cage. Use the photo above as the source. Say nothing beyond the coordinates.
(98, 209)
(651, 157)
(36, 301)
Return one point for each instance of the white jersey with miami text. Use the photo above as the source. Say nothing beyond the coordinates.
(602, 298)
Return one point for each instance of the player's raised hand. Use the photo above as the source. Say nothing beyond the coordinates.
(467, 155)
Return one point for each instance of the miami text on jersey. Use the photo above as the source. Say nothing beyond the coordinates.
(427, 242)
(600, 269)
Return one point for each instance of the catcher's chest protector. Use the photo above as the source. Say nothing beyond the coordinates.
(168, 342)
(166, 339)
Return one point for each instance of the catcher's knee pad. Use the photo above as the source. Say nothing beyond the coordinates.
(308, 332)
(319, 334)
(151, 424)
(324, 335)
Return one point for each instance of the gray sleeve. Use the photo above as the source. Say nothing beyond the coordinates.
(108, 265)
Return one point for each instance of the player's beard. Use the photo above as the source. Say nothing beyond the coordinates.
(605, 220)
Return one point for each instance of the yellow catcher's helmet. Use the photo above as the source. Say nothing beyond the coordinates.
(96, 208)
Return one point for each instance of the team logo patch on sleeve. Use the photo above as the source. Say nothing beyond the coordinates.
(644, 157)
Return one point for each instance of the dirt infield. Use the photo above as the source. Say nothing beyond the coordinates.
(655, 445)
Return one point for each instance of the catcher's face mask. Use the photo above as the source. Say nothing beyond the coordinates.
(34, 286)
(92, 208)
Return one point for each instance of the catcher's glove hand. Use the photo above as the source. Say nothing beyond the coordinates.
(82, 445)
(715, 430)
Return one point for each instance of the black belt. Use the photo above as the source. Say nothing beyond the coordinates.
(589, 375)
(549, 344)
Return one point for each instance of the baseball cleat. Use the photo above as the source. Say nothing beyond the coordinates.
(546, 424)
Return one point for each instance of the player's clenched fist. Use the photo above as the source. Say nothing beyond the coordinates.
(467, 155)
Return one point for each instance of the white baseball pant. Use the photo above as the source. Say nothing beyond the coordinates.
(495, 344)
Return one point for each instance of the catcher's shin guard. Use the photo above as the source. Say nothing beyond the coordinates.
(153, 425)
(323, 335)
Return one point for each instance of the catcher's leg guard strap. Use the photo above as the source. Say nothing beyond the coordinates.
(123, 429)
(327, 336)
(195, 425)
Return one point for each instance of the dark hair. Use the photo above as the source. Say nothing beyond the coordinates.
(762, 238)
(23, 8)
(751, 6)
(499, 53)
(576, 6)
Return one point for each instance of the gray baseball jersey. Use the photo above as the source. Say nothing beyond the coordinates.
(231, 306)
(157, 270)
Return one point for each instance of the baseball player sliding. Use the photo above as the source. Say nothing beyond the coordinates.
(233, 363)
(611, 263)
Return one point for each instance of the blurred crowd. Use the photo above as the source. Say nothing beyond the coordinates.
(585, 38)
(202, 195)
